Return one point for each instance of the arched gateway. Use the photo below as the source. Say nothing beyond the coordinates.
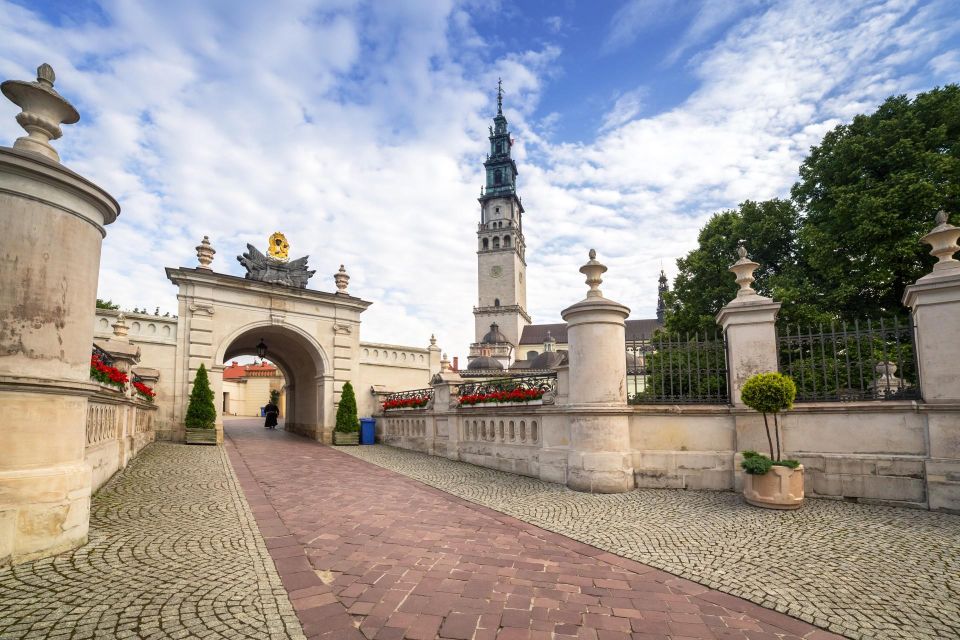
(312, 336)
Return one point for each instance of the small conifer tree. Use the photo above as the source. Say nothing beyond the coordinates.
(347, 421)
(201, 414)
(275, 396)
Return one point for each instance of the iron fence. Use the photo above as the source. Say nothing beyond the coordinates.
(102, 355)
(541, 384)
(871, 361)
(415, 399)
(668, 369)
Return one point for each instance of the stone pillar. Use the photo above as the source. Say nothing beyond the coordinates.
(600, 459)
(935, 302)
(749, 325)
(53, 226)
(435, 357)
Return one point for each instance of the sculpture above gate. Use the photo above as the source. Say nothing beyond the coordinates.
(274, 267)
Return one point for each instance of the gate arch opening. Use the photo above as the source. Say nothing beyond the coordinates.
(301, 361)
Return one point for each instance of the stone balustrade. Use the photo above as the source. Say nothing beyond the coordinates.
(118, 428)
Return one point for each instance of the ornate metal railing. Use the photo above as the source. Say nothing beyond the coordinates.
(413, 399)
(875, 361)
(535, 386)
(104, 357)
(669, 369)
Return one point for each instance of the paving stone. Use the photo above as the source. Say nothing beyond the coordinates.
(172, 541)
(842, 566)
(433, 563)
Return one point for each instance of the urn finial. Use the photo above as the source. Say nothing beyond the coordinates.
(593, 270)
(205, 253)
(743, 269)
(341, 279)
(943, 238)
(43, 110)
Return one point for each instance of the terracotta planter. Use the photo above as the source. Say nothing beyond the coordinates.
(779, 488)
(346, 439)
(201, 436)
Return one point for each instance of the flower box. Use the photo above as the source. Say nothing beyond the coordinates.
(346, 439)
(528, 403)
(201, 436)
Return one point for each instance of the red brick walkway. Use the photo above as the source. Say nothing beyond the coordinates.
(367, 553)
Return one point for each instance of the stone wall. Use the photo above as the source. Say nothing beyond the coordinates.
(117, 429)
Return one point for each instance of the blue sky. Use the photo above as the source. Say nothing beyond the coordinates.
(358, 129)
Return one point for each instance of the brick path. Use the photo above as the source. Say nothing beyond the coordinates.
(366, 552)
(866, 571)
(173, 553)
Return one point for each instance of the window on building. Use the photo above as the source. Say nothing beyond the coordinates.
(496, 302)
(499, 146)
(486, 243)
(496, 243)
(498, 177)
(506, 241)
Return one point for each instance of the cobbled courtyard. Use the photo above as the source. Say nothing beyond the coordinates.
(860, 570)
(174, 552)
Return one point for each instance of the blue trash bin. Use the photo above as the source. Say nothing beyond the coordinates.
(367, 430)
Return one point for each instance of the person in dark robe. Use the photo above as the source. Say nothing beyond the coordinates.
(272, 411)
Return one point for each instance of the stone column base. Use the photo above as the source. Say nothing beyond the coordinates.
(43, 511)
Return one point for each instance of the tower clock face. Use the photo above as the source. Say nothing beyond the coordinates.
(496, 271)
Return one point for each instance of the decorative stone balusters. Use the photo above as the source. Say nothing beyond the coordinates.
(205, 252)
(599, 460)
(342, 280)
(53, 224)
(749, 324)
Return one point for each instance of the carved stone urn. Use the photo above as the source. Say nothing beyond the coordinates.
(779, 488)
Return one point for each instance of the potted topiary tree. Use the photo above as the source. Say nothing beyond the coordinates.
(771, 482)
(347, 431)
(201, 417)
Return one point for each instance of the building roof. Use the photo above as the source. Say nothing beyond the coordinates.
(239, 371)
(484, 362)
(495, 336)
(537, 333)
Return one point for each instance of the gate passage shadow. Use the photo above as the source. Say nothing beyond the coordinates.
(365, 552)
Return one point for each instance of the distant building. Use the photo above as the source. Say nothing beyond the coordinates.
(507, 341)
(247, 387)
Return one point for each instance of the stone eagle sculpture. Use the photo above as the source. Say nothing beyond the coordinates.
(263, 269)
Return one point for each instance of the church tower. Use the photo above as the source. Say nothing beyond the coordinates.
(501, 265)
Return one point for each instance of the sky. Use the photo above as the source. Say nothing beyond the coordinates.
(359, 130)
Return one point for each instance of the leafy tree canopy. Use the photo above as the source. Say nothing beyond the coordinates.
(849, 242)
(106, 304)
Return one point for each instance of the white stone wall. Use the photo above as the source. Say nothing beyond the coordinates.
(386, 368)
(157, 338)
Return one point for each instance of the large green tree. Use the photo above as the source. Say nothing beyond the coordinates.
(868, 192)
(704, 284)
(849, 243)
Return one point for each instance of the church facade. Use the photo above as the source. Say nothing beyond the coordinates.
(506, 339)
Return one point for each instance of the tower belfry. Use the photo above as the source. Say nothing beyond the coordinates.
(501, 265)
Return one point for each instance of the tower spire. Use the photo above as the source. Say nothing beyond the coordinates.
(661, 303)
(499, 96)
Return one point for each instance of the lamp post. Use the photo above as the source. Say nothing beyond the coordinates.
(261, 349)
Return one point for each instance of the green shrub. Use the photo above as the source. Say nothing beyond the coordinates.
(347, 421)
(769, 393)
(756, 465)
(793, 464)
(201, 414)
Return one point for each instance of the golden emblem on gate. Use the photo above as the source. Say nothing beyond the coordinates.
(278, 247)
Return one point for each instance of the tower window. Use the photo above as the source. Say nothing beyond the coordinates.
(498, 209)
(486, 244)
(496, 243)
(506, 241)
(496, 302)
(498, 177)
(499, 146)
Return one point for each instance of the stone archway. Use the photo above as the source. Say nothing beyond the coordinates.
(302, 362)
(313, 336)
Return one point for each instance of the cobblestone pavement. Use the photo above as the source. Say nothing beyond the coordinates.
(368, 553)
(174, 552)
(860, 570)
